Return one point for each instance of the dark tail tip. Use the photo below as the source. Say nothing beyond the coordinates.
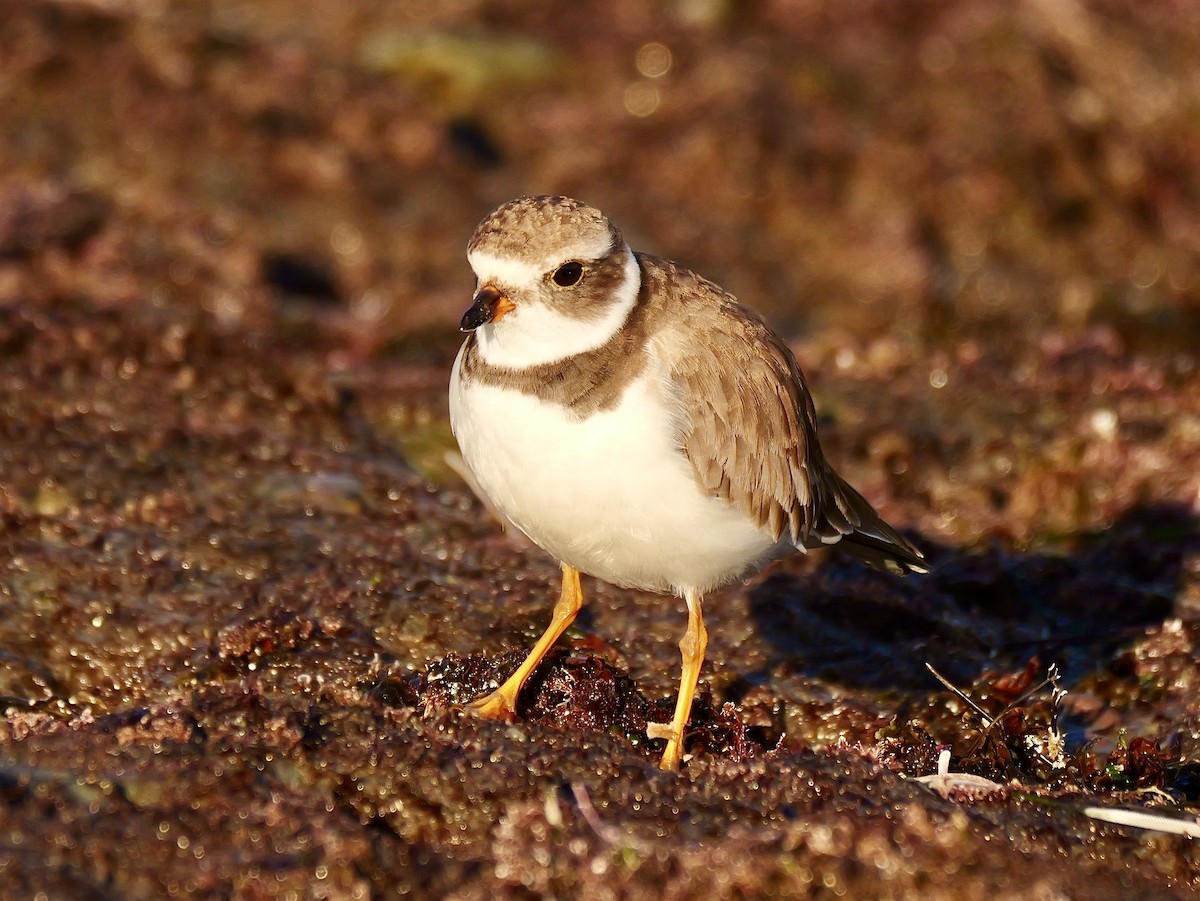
(897, 557)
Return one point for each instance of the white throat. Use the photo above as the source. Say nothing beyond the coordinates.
(534, 334)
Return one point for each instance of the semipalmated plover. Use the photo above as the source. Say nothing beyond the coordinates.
(639, 425)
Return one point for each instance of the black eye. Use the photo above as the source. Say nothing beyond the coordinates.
(568, 274)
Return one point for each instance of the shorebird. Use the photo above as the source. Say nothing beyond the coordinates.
(639, 425)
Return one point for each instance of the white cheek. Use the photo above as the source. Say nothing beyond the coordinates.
(534, 334)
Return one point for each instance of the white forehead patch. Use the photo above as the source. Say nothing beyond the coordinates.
(504, 270)
(515, 272)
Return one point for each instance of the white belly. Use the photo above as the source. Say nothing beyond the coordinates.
(610, 495)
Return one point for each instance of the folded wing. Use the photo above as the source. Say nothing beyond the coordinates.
(749, 428)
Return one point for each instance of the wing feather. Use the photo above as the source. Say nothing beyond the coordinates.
(749, 424)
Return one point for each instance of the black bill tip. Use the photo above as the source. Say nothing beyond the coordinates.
(483, 309)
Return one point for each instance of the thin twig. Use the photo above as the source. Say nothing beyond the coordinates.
(962, 695)
(1139, 819)
(989, 721)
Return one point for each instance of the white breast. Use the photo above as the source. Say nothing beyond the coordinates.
(611, 495)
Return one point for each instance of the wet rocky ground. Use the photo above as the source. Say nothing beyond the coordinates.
(243, 594)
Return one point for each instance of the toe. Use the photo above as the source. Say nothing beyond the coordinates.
(496, 706)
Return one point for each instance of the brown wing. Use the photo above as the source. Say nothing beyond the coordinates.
(750, 426)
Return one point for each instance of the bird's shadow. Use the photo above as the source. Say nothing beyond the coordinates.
(979, 610)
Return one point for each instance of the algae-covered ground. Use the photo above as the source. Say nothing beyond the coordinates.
(243, 593)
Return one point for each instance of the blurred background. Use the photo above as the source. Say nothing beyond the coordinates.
(933, 169)
(241, 589)
(925, 195)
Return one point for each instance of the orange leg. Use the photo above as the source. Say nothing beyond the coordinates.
(692, 646)
(501, 704)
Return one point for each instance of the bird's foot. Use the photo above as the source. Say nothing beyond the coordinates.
(673, 733)
(499, 705)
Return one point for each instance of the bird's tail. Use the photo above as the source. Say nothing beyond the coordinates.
(852, 524)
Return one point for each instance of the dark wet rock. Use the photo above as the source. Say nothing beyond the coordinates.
(471, 140)
(299, 276)
(44, 215)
